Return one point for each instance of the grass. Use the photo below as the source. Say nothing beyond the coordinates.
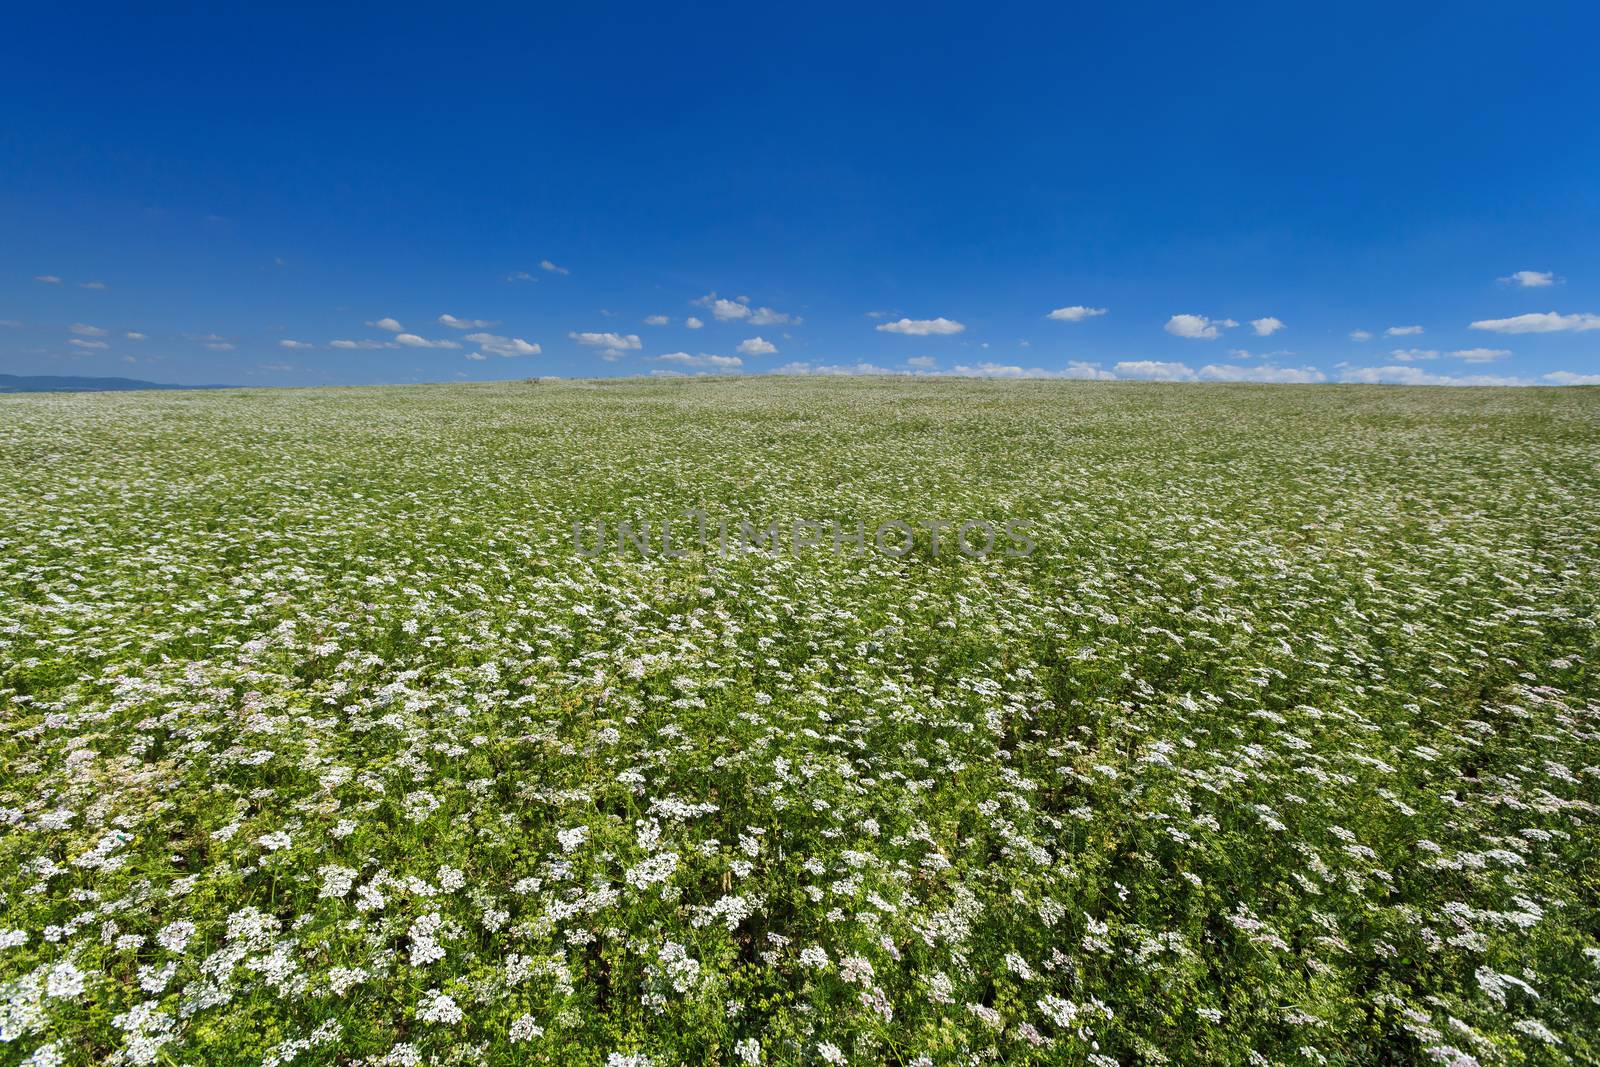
(324, 743)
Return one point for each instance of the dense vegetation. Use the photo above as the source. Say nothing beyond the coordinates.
(322, 743)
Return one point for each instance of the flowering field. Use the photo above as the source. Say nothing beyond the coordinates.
(326, 741)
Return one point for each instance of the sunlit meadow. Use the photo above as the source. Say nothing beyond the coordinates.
(322, 742)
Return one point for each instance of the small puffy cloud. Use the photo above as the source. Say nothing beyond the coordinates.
(656, 320)
(48, 279)
(1530, 279)
(411, 340)
(134, 335)
(91, 285)
(545, 264)
(684, 359)
(81, 343)
(1481, 355)
(1266, 327)
(295, 344)
(768, 317)
(1566, 377)
(693, 323)
(1398, 375)
(389, 324)
(1411, 355)
(1540, 322)
(922, 362)
(503, 346)
(739, 310)
(1075, 313)
(1155, 369)
(220, 346)
(276, 368)
(614, 341)
(465, 324)
(478, 356)
(1360, 335)
(83, 329)
(520, 276)
(1402, 331)
(1198, 327)
(940, 327)
(757, 346)
(1227, 372)
(362, 344)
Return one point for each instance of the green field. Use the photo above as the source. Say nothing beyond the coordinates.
(324, 740)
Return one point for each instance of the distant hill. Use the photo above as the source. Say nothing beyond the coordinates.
(54, 383)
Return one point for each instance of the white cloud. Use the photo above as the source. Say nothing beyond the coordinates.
(1411, 355)
(922, 362)
(81, 343)
(1540, 322)
(614, 341)
(465, 324)
(1266, 327)
(739, 310)
(1566, 377)
(520, 276)
(296, 344)
(1481, 355)
(362, 344)
(478, 356)
(684, 359)
(503, 346)
(1418, 376)
(1076, 369)
(723, 309)
(1402, 331)
(939, 327)
(1155, 369)
(757, 346)
(83, 329)
(1075, 313)
(830, 370)
(134, 335)
(656, 320)
(693, 323)
(91, 285)
(545, 264)
(1226, 372)
(411, 340)
(388, 324)
(221, 346)
(48, 279)
(1530, 279)
(1360, 335)
(1197, 327)
(276, 368)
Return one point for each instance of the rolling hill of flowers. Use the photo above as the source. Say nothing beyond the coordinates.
(327, 739)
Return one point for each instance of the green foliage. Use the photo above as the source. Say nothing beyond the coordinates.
(322, 743)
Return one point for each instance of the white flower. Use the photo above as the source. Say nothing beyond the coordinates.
(523, 1028)
(437, 1007)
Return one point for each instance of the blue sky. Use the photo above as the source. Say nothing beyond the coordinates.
(852, 182)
